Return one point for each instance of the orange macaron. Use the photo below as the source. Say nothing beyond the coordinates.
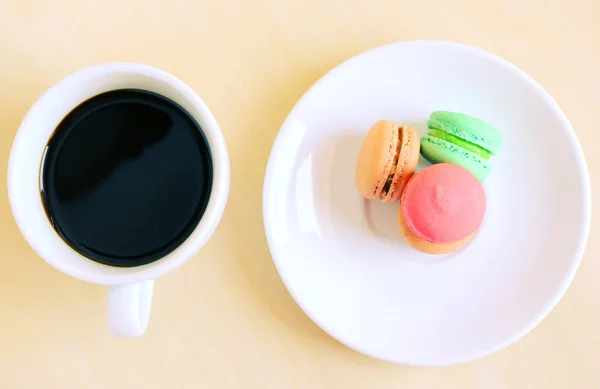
(388, 158)
(442, 207)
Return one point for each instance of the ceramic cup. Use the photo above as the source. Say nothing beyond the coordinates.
(130, 288)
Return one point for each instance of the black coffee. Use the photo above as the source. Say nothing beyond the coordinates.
(126, 177)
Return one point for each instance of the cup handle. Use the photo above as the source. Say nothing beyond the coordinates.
(129, 308)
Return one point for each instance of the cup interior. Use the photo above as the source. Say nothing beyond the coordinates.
(30, 144)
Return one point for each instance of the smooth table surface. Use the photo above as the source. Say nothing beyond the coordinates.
(225, 320)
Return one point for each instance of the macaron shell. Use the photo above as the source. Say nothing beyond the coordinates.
(443, 203)
(468, 128)
(437, 150)
(407, 163)
(425, 246)
(375, 158)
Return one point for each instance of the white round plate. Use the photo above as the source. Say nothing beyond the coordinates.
(343, 259)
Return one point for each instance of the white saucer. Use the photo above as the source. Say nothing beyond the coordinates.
(344, 260)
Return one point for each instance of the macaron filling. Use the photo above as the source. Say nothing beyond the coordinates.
(437, 150)
(390, 177)
(455, 140)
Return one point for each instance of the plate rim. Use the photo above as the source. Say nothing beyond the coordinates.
(580, 162)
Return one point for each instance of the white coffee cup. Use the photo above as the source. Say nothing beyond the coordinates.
(131, 288)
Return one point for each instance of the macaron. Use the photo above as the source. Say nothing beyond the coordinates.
(463, 140)
(442, 207)
(387, 159)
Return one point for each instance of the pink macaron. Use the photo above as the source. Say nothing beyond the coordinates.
(442, 208)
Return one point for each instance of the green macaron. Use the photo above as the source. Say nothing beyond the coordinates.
(461, 139)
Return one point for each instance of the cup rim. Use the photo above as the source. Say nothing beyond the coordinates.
(45, 240)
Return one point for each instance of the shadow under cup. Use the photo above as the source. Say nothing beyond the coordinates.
(126, 177)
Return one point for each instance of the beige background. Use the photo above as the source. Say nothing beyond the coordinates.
(225, 320)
